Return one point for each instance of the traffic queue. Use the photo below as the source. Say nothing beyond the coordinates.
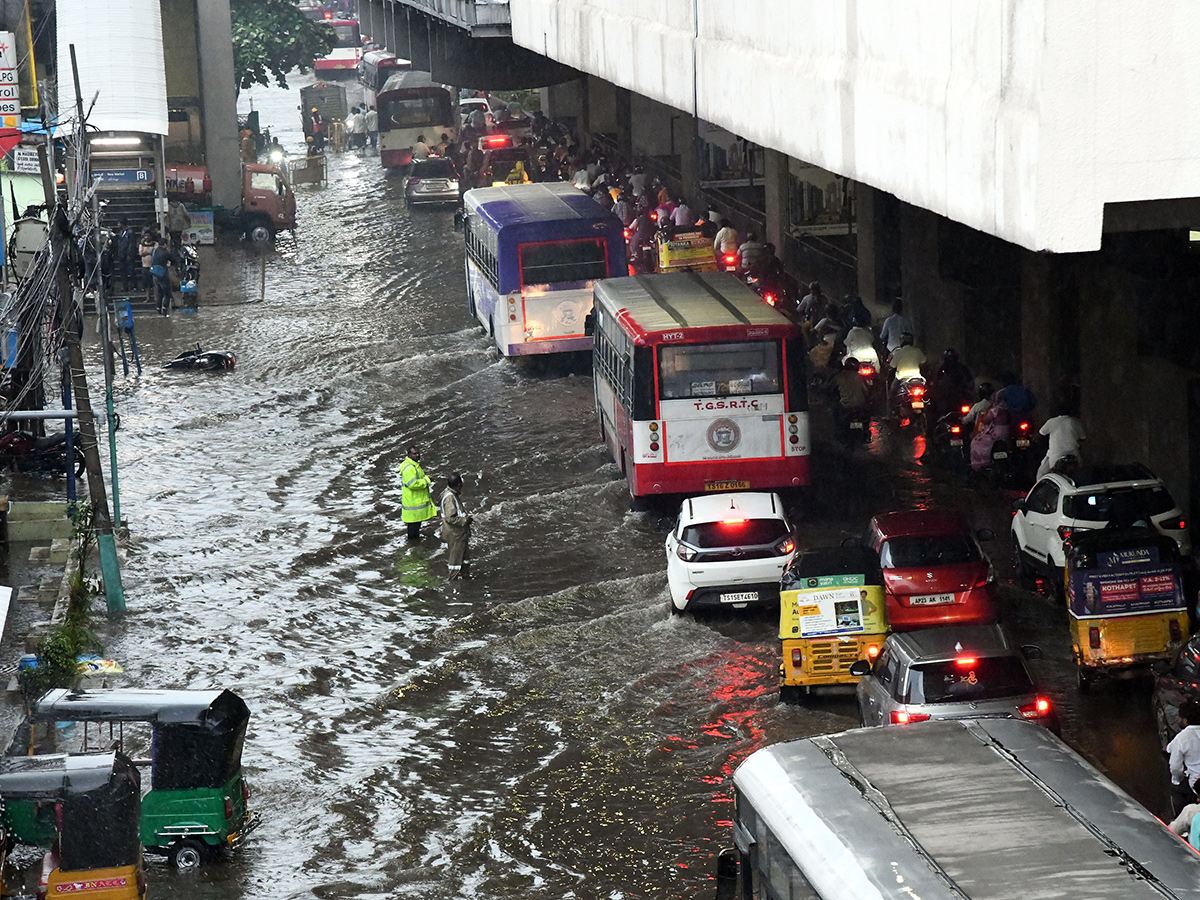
(702, 390)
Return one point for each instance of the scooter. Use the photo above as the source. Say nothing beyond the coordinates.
(950, 439)
(909, 400)
(26, 452)
(202, 360)
(189, 263)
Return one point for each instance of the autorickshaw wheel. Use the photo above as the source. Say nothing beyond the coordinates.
(186, 854)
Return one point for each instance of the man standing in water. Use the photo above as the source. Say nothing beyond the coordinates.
(416, 506)
(456, 525)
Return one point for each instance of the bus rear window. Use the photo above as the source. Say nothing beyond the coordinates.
(556, 262)
(986, 678)
(347, 35)
(719, 370)
(415, 112)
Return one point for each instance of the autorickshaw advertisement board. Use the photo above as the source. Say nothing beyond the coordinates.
(1125, 582)
(831, 605)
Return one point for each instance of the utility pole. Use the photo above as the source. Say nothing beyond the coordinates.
(60, 236)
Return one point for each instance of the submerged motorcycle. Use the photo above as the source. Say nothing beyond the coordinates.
(27, 452)
(203, 360)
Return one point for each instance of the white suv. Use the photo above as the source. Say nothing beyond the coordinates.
(728, 550)
(1060, 504)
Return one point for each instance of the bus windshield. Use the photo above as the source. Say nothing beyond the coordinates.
(563, 261)
(687, 371)
(347, 35)
(402, 112)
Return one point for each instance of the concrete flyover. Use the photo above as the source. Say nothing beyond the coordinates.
(1023, 172)
(466, 43)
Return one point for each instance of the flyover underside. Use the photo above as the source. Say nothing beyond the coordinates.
(452, 56)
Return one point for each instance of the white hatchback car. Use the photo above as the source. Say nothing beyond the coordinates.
(728, 550)
(1060, 504)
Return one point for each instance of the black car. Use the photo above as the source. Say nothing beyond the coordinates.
(432, 180)
(1175, 683)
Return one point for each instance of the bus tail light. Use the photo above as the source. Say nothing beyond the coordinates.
(1094, 638)
(1176, 635)
(904, 717)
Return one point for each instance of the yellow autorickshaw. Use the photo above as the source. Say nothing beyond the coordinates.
(1126, 601)
(831, 614)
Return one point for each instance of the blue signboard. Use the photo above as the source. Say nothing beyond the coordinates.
(124, 176)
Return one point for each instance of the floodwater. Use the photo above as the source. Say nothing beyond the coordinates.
(544, 730)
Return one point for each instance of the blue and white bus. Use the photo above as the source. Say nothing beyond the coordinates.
(533, 253)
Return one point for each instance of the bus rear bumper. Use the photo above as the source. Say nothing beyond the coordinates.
(557, 345)
(713, 475)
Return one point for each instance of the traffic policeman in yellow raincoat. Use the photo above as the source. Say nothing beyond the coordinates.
(416, 504)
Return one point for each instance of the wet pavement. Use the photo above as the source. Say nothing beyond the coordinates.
(546, 729)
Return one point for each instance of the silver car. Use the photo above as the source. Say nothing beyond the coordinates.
(948, 673)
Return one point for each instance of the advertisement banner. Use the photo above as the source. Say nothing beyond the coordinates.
(1125, 582)
(201, 231)
(832, 605)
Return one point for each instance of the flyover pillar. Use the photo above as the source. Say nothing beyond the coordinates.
(775, 200)
(687, 141)
(624, 102)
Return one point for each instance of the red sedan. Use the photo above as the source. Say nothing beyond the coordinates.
(934, 572)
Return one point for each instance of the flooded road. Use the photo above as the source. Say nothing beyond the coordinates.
(544, 730)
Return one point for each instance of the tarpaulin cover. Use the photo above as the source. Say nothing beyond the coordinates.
(119, 49)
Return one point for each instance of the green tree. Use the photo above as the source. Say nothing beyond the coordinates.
(272, 37)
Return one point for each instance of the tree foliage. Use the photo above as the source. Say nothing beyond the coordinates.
(272, 37)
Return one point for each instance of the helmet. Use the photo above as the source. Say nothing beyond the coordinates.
(314, 109)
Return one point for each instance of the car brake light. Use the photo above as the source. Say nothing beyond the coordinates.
(770, 298)
(1064, 532)
(1173, 628)
(1173, 524)
(497, 140)
(686, 553)
(1039, 708)
(872, 651)
(733, 521)
(964, 409)
(866, 371)
(964, 661)
(797, 658)
(414, 181)
(904, 717)
(228, 809)
(956, 429)
(1094, 638)
(1024, 426)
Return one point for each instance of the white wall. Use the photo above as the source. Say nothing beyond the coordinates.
(1020, 118)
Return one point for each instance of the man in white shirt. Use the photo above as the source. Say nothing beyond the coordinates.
(726, 242)
(682, 214)
(1184, 755)
(1065, 433)
(894, 326)
(420, 148)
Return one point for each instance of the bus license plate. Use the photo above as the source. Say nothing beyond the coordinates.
(931, 600)
(918, 404)
(1022, 443)
(726, 486)
(744, 597)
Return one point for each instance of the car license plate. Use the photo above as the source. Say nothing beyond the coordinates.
(956, 442)
(1000, 454)
(918, 404)
(857, 425)
(726, 485)
(743, 597)
(1022, 443)
(931, 600)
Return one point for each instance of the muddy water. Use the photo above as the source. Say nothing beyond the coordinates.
(545, 730)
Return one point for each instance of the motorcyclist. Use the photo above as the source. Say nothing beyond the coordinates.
(993, 425)
(851, 394)
(859, 342)
(953, 384)
(856, 311)
(751, 253)
(906, 361)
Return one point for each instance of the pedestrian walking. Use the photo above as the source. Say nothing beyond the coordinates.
(371, 119)
(160, 257)
(456, 526)
(416, 506)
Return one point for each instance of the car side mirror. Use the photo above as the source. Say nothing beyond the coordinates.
(985, 534)
(1160, 667)
(1018, 505)
(859, 668)
(851, 542)
(1031, 651)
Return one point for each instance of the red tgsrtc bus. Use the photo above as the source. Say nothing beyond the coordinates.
(700, 385)
(343, 58)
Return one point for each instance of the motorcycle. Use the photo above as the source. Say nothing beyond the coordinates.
(908, 401)
(202, 360)
(950, 438)
(27, 452)
(856, 426)
(189, 263)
